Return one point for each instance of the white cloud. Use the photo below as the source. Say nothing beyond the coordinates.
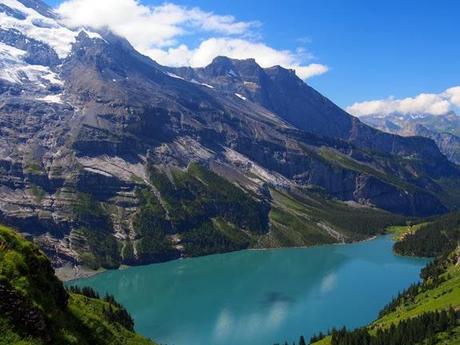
(454, 95)
(237, 49)
(311, 70)
(157, 32)
(145, 26)
(425, 103)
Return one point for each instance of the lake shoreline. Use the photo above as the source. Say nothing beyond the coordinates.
(260, 297)
(68, 273)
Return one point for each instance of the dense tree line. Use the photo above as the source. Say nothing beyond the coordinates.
(410, 331)
(301, 342)
(196, 195)
(151, 226)
(408, 295)
(85, 291)
(206, 239)
(190, 201)
(431, 276)
(432, 239)
(113, 310)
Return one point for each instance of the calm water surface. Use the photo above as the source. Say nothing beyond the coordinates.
(260, 297)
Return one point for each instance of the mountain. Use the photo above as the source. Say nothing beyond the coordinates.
(446, 123)
(444, 130)
(107, 157)
(36, 309)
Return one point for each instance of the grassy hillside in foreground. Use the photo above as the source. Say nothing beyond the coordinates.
(35, 308)
(424, 314)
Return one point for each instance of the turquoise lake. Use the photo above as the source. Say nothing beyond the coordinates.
(260, 297)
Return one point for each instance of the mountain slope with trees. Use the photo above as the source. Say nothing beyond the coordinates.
(432, 238)
(108, 158)
(36, 309)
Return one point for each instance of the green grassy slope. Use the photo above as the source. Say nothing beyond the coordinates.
(35, 308)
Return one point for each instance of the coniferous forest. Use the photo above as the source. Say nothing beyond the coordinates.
(432, 239)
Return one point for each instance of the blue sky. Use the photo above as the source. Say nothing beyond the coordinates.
(373, 49)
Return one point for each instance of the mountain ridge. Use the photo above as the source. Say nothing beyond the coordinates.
(141, 146)
(442, 129)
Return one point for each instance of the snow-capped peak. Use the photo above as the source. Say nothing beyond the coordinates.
(46, 29)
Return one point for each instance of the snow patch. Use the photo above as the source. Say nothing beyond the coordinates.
(53, 78)
(15, 70)
(41, 28)
(97, 171)
(194, 81)
(207, 85)
(93, 35)
(20, 73)
(52, 99)
(11, 53)
(241, 96)
(172, 75)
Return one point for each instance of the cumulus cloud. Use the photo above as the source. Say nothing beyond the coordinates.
(157, 32)
(425, 103)
(454, 95)
(144, 25)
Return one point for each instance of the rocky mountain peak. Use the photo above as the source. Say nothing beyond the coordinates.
(233, 69)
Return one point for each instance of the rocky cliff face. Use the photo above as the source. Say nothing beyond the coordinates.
(114, 158)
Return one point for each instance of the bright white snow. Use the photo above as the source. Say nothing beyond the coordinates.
(240, 96)
(51, 99)
(41, 28)
(172, 75)
(15, 70)
(97, 171)
(194, 81)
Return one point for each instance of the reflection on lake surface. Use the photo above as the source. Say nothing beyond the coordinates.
(260, 297)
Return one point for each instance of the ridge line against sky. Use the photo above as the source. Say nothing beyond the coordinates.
(352, 52)
(160, 31)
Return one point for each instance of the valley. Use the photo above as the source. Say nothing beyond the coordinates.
(108, 158)
(167, 174)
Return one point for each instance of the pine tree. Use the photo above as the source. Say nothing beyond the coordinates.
(302, 341)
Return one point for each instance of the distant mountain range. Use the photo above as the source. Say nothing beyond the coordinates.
(107, 157)
(443, 129)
